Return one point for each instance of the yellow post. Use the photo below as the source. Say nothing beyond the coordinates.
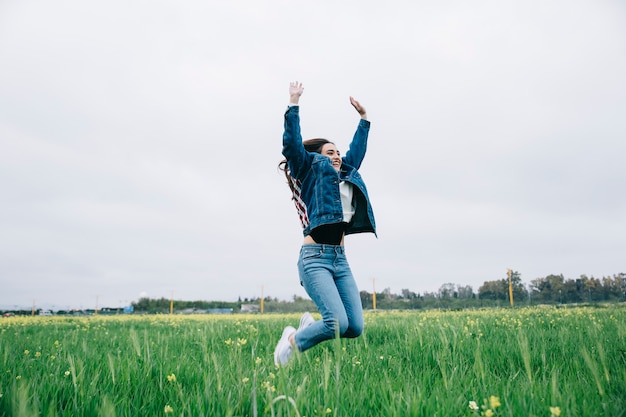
(262, 301)
(509, 273)
(172, 303)
(374, 293)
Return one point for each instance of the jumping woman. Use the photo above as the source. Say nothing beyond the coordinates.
(332, 202)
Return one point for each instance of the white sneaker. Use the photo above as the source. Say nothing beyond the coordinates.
(284, 350)
(306, 320)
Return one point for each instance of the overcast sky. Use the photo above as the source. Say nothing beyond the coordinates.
(139, 143)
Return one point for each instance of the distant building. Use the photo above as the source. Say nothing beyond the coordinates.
(249, 308)
(220, 311)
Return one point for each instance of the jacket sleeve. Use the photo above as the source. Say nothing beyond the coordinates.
(298, 158)
(358, 146)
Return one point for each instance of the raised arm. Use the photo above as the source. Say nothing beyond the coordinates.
(358, 146)
(297, 157)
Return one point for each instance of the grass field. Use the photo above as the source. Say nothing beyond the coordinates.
(505, 362)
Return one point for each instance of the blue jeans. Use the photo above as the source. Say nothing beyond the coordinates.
(327, 278)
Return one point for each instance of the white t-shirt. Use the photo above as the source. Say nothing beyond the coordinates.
(346, 191)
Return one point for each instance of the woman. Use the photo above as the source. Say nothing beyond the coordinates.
(332, 202)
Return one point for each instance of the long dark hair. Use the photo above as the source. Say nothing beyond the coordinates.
(311, 145)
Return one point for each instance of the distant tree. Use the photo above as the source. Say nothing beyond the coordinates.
(408, 295)
(547, 289)
(430, 295)
(366, 299)
(465, 291)
(612, 287)
(591, 288)
(447, 291)
(620, 284)
(519, 290)
(493, 290)
(572, 292)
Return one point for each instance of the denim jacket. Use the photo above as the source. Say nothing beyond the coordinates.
(319, 202)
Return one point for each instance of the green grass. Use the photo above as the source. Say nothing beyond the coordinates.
(405, 364)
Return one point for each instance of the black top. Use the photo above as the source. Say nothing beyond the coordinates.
(329, 234)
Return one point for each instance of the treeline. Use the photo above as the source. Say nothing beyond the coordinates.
(558, 289)
(162, 305)
(553, 289)
(270, 305)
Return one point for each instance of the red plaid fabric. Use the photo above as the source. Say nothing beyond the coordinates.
(300, 205)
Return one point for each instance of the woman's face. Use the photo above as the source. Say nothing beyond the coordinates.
(330, 150)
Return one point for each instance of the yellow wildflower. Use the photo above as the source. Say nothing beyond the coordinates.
(27, 352)
(18, 377)
(67, 373)
(241, 341)
(245, 379)
(37, 354)
(171, 378)
(555, 411)
(258, 360)
(328, 411)
(228, 341)
(168, 409)
(494, 402)
(488, 413)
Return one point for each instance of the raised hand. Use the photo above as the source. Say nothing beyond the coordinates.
(358, 107)
(295, 91)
